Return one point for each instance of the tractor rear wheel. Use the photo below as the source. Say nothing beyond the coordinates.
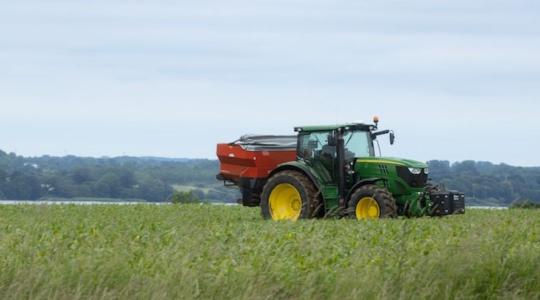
(372, 202)
(289, 195)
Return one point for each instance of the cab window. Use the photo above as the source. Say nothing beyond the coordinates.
(314, 145)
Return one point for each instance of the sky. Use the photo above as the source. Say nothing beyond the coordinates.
(456, 80)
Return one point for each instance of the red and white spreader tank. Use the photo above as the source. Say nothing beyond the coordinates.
(248, 162)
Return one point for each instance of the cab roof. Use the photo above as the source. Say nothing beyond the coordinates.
(357, 126)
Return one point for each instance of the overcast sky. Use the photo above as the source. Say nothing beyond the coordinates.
(455, 79)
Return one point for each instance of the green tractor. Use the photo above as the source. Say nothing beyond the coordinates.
(331, 171)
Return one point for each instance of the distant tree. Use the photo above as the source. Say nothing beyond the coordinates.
(3, 174)
(108, 185)
(184, 197)
(126, 177)
(525, 204)
(81, 175)
(439, 168)
(60, 186)
(152, 189)
(22, 185)
(467, 167)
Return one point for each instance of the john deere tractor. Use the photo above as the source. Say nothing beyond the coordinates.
(332, 171)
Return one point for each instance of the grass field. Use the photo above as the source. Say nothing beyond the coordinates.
(194, 251)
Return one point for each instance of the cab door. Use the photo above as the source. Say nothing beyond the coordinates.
(315, 150)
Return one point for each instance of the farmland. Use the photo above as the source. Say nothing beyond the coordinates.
(204, 251)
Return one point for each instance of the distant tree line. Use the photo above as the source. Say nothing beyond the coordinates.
(525, 204)
(149, 179)
(152, 179)
(488, 183)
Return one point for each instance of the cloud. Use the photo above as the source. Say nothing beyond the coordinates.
(456, 79)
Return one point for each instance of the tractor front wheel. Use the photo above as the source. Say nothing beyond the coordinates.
(372, 202)
(288, 195)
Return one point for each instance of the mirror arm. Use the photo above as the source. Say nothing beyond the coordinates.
(374, 135)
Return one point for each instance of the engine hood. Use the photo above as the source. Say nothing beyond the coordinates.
(392, 161)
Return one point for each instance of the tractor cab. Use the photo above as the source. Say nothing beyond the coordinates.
(321, 145)
(318, 147)
(332, 151)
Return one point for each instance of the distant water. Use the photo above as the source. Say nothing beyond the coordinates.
(488, 207)
(29, 202)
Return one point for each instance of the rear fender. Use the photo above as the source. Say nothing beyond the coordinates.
(301, 168)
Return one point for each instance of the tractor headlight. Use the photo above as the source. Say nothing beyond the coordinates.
(415, 171)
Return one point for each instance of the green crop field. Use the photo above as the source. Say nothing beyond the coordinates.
(203, 251)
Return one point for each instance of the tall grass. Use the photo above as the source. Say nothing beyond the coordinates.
(194, 251)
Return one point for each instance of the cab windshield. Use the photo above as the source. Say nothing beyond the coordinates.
(315, 145)
(358, 144)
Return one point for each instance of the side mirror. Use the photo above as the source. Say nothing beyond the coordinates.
(392, 137)
(332, 139)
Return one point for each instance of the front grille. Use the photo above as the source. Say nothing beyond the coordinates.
(415, 181)
(384, 170)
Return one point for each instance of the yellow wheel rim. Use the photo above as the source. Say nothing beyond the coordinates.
(285, 202)
(367, 208)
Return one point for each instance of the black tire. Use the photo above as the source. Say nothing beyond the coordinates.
(385, 200)
(311, 204)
